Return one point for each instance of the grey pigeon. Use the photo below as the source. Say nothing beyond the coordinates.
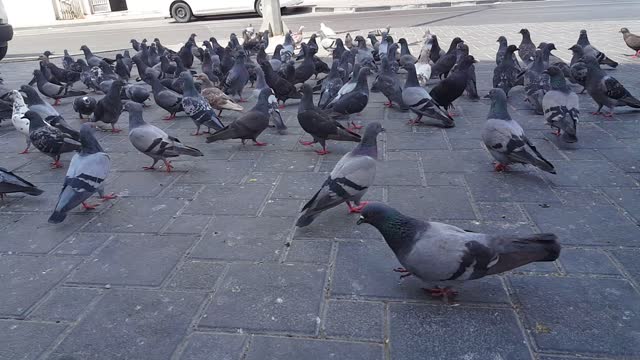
(250, 125)
(502, 49)
(288, 48)
(605, 90)
(282, 88)
(121, 68)
(364, 55)
(197, 107)
(451, 88)
(505, 139)
(420, 102)
(330, 85)
(47, 112)
(535, 82)
(48, 139)
(275, 115)
(54, 91)
(405, 54)
(434, 251)
(237, 77)
(153, 141)
(126, 58)
(590, 50)
(561, 106)
(436, 52)
(84, 105)
(632, 41)
(354, 101)
(86, 175)
(136, 93)
(109, 108)
(93, 60)
(445, 63)
(319, 124)
(12, 183)
(578, 69)
(67, 60)
(527, 48)
(471, 88)
(90, 78)
(389, 85)
(349, 180)
(167, 99)
(505, 75)
(306, 69)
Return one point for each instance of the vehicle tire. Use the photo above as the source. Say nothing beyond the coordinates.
(181, 12)
(3, 51)
(258, 7)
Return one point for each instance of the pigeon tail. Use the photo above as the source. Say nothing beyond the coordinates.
(631, 101)
(525, 157)
(306, 219)
(188, 150)
(57, 217)
(609, 62)
(569, 138)
(33, 191)
(229, 105)
(71, 93)
(225, 133)
(527, 249)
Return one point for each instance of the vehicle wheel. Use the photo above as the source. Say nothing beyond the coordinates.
(181, 12)
(3, 51)
(258, 7)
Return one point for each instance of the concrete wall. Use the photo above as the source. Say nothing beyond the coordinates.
(30, 12)
(145, 6)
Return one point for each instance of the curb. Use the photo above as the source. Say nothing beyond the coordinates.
(437, 5)
(89, 23)
(26, 58)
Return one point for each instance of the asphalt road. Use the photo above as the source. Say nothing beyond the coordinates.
(116, 36)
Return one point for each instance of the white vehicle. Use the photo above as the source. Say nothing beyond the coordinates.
(185, 10)
(6, 31)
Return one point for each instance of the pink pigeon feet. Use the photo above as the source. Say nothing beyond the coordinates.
(403, 271)
(556, 133)
(388, 104)
(353, 126)
(108, 197)
(356, 209)
(168, 165)
(148, 167)
(171, 117)
(242, 100)
(25, 151)
(258, 143)
(322, 152)
(500, 167)
(414, 121)
(57, 102)
(306, 143)
(56, 164)
(438, 292)
(114, 129)
(88, 206)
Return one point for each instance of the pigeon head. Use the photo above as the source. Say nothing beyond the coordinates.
(583, 40)
(399, 231)
(119, 57)
(35, 120)
(390, 39)
(29, 92)
(186, 77)
(502, 40)
(377, 214)
(524, 32)
(553, 71)
(132, 107)
(84, 48)
(498, 108)
(369, 144)
(512, 49)
(576, 49)
(14, 94)
(467, 61)
(88, 142)
(624, 30)
(359, 39)
(402, 41)
(47, 53)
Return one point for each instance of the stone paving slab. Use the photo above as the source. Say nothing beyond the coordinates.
(205, 262)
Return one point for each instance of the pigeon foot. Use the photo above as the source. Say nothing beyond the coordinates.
(115, 130)
(56, 164)
(403, 271)
(258, 143)
(88, 206)
(197, 133)
(414, 121)
(500, 167)
(596, 113)
(148, 167)
(438, 292)
(57, 102)
(25, 151)
(556, 133)
(388, 104)
(353, 126)
(322, 152)
(108, 197)
(608, 115)
(169, 117)
(306, 143)
(168, 165)
(356, 209)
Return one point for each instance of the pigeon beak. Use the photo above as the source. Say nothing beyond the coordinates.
(486, 96)
(383, 130)
(360, 220)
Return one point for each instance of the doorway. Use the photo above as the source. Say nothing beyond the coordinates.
(118, 5)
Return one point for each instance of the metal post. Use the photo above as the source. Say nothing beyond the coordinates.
(271, 18)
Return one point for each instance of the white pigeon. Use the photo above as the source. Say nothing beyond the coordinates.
(17, 117)
(561, 106)
(327, 32)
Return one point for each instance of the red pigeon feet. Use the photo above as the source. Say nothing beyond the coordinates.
(109, 197)
(356, 209)
(322, 152)
(452, 114)
(500, 167)
(25, 151)
(197, 133)
(169, 117)
(115, 130)
(388, 104)
(281, 106)
(149, 167)
(608, 115)
(56, 164)
(403, 271)
(596, 113)
(306, 143)
(88, 206)
(414, 121)
(556, 133)
(242, 100)
(57, 102)
(258, 143)
(445, 293)
(168, 165)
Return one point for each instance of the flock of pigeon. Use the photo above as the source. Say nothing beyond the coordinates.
(429, 250)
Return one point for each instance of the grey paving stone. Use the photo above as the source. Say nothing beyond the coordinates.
(25, 340)
(283, 207)
(438, 161)
(188, 224)
(262, 178)
(287, 162)
(202, 346)
(581, 196)
(589, 173)
(276, 348)
(309, 251)
(467, 333)
(355, 320)
(629, 199)
(629, 260)
(282, 298)
(337, 223)
(432, 139)
(626, 159)
(510, 187)
(82, 244)
(299, 185)
(365, 270)
(182, 191)
(595, 225)
(196, 275)
(621, 129)
(64, 304)
(217, 172)
(134, 260)
(501, 212)
(560, 357)
(229, 200)
(398, 172)
(146, 183)
(36, 236)
(434, 179)
(136, 215)
(27, 279)
(432, 202)
(243, 238)
(583, 261)
(132, 324)
(609, 328)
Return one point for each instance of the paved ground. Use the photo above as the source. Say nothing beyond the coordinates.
(205, 263)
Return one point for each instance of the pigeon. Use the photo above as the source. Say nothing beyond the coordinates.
(54, 91)
(12, 183)
(126, 58)
(135, 44)
(527, 48)
(136, 93)
(632, 41)
(66, 77)
(423, 68)
(306, 69)
(48, 139)
(535, 83)
(250, 124)
(167, 99)
(93, 60)
(168, 69)
(445, 63)
(89, 77)
(297, 36)
(375, 44)
(327, 31)
(420, 102)
(283, 89)
(505, 139)
(197, 107)
(216, 97)
(20, 123)
(354, 101)
(588, 49)
(210, 69)
(46, 72)
(405, 54)
(109, 108)
(436, 52)
(505, 75)
(154, 57)
(330, 85)
(47, 112)
(502, 49)
(349, 180)
(471, 88)
(605, 90)
(86, 175)
(153, 141)
(451, 88)
(434, 251)
(339, 50)
(320, 125)
(186, 55)
(67, 60)
(122, 70)
(389, 85)
(364, 55)
(547, 57)
(274, 112)
(287, 48)
(348, 41)
(561, 106)
(84, 105)
(237, 78)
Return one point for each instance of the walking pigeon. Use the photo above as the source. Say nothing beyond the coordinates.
(167, 99)
(405, 53)
(87, 172)
(48, 139)
(605, 90)
(590, 50)
(274, 112)
(561, 106)
(84, 105)
(12, 183)
(20, 123)
(535, 82)
(237, 77)
(54, 91)
(330, 85)
(505, 139)
(445, 63)
(632, 41)
(109, 108)
(451, 88)
(471, 88)
(434, 251)
(197, 107)
(216, 97)
(153, 141)
(389, 85)
(93, 60)
(502, 49)
(505, 75)
(420, 102)
(349, 180)
(47, 112)
(282, 88)
(354, 101)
